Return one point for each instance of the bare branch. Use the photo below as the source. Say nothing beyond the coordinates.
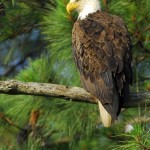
(66, 92)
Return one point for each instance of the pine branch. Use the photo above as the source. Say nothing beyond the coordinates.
(76, 94)
(143, 119)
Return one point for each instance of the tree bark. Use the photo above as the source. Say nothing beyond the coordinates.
(76, 94)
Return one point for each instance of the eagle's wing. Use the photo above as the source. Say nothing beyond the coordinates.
(102, 51)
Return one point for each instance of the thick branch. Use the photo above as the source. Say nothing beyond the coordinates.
(66, 92)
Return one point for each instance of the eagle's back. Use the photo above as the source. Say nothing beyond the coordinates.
(102, 51)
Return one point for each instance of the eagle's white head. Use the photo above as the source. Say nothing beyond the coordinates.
(83, 7)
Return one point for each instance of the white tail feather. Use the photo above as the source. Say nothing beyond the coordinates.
(105, 116)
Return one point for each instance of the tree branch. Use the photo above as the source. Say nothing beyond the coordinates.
(66, 92)
(140, 120)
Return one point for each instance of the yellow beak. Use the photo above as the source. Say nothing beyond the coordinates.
(71, 6)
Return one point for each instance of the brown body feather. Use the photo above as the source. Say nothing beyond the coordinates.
(102, 52)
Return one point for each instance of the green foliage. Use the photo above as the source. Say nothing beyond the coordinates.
(19, 18)
(59, 119)
(57, 28)
(138, 139)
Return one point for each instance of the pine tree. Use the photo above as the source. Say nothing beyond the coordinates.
(75, 125)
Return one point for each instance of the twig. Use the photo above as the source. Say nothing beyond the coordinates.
(7, 120)
(140, 120)
(65, 140)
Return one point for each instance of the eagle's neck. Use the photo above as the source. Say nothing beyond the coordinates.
(88, 9)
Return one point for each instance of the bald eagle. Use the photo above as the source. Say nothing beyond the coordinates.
(102, 52)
